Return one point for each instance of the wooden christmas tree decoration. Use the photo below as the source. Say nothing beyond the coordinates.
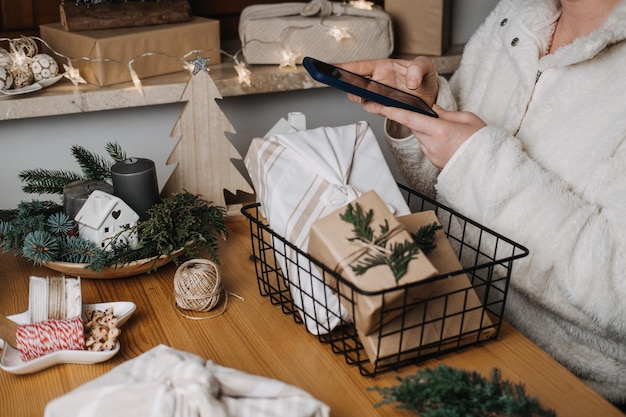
(204, 152)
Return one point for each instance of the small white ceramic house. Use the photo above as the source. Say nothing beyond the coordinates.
(104, 216)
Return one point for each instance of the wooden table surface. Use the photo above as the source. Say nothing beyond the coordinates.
(256, 337)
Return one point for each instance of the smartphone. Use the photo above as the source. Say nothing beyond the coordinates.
(364, 87)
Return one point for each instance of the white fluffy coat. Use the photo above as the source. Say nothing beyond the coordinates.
(549, 171)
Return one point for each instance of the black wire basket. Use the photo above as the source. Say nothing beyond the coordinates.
(459, 308)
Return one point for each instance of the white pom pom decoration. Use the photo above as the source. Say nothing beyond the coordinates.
(43, 67)
(6, 80)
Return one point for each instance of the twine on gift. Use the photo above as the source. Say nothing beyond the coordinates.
(198, 287)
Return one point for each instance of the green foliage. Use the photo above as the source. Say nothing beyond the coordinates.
(93, 166)
(179, 220)
(399, 255)
(42, 232)
(41, 247)
(425, 237)
(448, 392)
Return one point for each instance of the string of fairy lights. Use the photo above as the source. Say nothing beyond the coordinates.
(18, 60)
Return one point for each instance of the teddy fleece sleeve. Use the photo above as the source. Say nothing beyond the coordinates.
(577, 246)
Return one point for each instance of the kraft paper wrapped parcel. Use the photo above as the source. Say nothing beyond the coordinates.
(302, 176)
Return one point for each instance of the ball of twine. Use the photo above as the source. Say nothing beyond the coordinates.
(197, 285)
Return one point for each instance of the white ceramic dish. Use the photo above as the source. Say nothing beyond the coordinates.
(10, 360)
(31, 87)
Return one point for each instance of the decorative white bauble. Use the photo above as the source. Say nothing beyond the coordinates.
(22, 77)
(5, 59)
(6, 80)
(43, 67)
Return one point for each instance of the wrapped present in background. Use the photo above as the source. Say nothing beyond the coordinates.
(451, 315)
(376, 255)
(422, 27)
(302, 176)
(156, 49)
(334, 32)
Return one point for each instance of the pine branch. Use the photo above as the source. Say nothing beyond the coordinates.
(116, 152)
(425, 237)
(46, 181)
(94, 166)
(445, 391)
(398, 257)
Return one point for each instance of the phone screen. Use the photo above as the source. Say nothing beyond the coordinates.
(365, 87)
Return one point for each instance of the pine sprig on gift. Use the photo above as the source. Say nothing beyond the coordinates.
(425, 237)
(399, 255)
(398, 259)
(445, 391)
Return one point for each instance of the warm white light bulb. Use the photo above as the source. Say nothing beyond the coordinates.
(136, 81)
(73, 74)
(362, 4)
(243, 73)
(339, 33)
(288, 58)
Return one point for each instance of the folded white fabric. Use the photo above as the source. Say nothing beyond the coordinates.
(165, 382)
(302, 176)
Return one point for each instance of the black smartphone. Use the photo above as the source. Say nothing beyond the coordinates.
(364, 87)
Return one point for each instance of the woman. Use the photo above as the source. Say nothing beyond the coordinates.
(531, 142)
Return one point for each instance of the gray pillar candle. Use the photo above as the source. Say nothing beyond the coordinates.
(76, 193)
(135, 182)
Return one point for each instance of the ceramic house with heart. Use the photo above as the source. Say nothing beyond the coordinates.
(104, 217)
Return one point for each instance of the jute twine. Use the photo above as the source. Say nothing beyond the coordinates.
(198, 287)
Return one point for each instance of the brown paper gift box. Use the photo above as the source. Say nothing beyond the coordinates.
(110, 50)
(452, 316)
(328, 243)
(421, 27)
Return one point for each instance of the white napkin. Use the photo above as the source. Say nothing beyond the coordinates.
(302, 176)
(165, 382)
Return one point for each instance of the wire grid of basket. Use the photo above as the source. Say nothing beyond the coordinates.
(487, 261)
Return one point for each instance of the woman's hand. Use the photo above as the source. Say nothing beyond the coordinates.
(439, 138)
(416, 77)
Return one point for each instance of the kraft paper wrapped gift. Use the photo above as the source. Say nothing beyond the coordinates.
(302, 176)
(422, 27)
(332, 242)
(330, 31)
(452, 310)
(110, 50)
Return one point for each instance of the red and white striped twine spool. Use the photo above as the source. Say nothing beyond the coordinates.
(38, 339)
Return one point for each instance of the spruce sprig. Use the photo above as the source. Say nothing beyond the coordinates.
(93, 166)
(399, 255)
(445, 391)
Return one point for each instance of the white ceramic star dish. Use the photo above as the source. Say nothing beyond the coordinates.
(10, 360)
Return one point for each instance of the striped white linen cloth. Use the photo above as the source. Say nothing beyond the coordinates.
(299, 177)
(165, 382)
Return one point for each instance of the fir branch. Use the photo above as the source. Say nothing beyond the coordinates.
(41, 247)
(75, 249)
(445, 391)
(59, 223)
(46, 181)
(355, 216)
(94, 167)
(397, 258)
(425, 237)
(116, 152)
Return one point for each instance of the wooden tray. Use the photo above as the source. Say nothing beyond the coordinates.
(138, 267)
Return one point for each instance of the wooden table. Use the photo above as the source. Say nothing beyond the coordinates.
(255, 337)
